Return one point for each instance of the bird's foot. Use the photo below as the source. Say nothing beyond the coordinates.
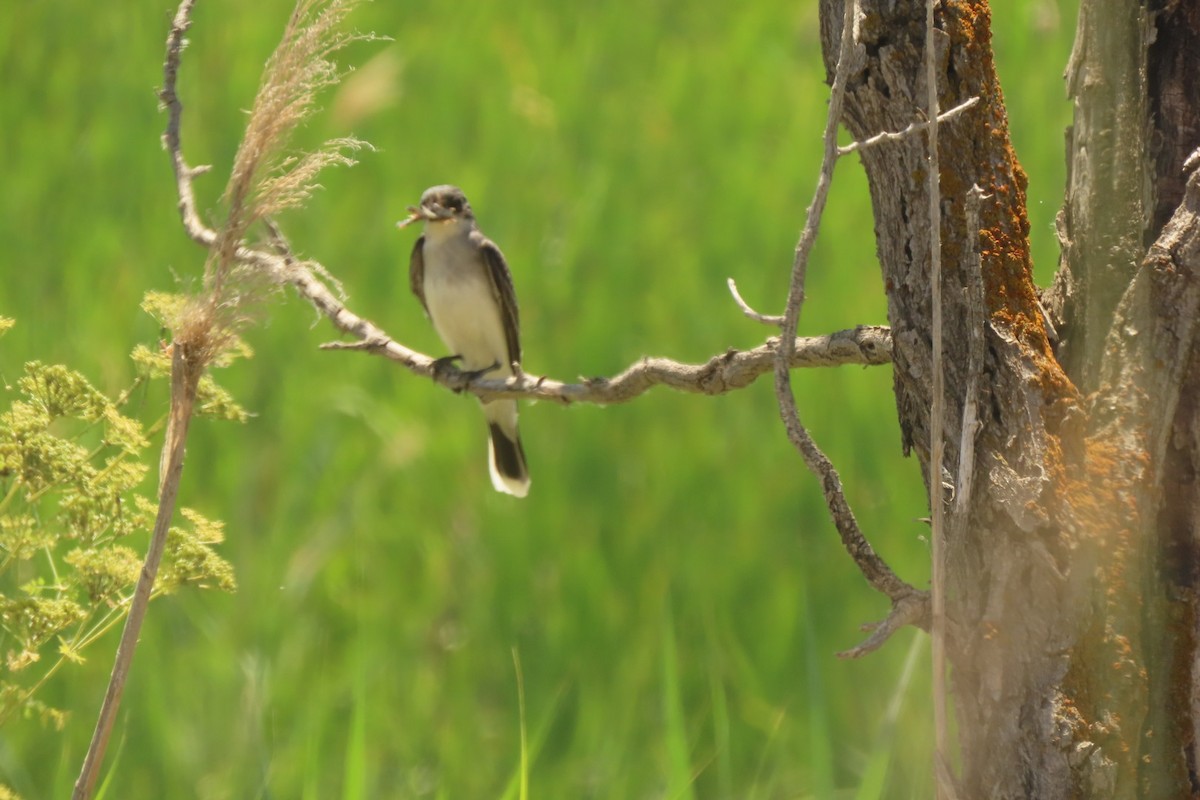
(441, 366)
(474, 374)
(444, 366)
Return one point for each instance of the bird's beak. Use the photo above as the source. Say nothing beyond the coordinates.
(415, 214)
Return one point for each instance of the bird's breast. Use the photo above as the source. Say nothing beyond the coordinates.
(462, 305)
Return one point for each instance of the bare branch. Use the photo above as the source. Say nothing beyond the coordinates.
(281, 246)
(914, 127)
(733, 369)
(874, 568)
(205, 327)
(947, 783)
(976, 326)
(195, 228)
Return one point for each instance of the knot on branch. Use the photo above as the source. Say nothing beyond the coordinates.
(712, 378)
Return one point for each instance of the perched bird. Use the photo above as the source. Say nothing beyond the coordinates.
(462, 280)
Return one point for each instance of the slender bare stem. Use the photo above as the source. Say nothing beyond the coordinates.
(964, 482)
(937, 414)
(907, 602)
(192, 223)
(184, 379)
(185, 376)
(295, 73)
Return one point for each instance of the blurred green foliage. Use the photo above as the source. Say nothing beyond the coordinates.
(672, 585)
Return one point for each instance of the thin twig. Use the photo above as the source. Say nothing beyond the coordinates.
(200, 332)
(184, 380)
(281, 246)
(192, 223)
(946, 781)
(874, 568)
(938, 410)
(914, 127)
(766, 319)
(975, 325)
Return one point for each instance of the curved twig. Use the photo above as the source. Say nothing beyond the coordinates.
(906, 600)
(766, 319)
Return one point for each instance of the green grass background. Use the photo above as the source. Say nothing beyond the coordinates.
(672, 585)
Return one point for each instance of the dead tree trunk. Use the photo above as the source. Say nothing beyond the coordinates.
(1071, 584)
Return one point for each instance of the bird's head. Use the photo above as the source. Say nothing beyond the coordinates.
(440, 205)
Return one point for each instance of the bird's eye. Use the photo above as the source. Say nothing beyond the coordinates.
(454, 204)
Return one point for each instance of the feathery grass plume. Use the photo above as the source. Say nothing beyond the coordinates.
(267, 178)
(264, 181)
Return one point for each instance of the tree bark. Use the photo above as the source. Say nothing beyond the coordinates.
(1139, 715)
(1103, 224)
(1071, 584)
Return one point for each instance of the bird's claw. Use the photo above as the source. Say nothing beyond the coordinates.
(444, 367)
(474, 374)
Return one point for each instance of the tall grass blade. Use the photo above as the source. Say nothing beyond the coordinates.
(679, 777)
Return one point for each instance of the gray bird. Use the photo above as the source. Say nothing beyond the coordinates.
(462, 280)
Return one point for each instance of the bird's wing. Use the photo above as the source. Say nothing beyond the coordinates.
(502, 290)
(416, 271)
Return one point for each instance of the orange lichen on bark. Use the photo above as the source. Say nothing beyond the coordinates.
(980, 141)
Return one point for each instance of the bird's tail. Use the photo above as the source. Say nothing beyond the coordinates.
(506, 456)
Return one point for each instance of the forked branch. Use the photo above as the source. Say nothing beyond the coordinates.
(909, 605)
